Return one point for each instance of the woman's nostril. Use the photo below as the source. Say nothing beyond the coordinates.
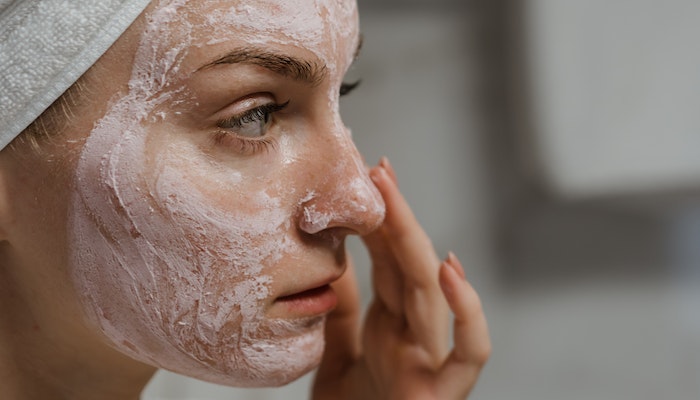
(355, 205)
(314, 221)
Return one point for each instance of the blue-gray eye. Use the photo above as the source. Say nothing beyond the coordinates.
(252, 123)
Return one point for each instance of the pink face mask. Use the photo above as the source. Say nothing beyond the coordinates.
(181, 246)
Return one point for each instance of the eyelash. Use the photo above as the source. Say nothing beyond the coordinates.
(249, 145)
(253, 115)
(347, 88)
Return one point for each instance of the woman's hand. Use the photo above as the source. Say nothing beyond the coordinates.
(402, 352)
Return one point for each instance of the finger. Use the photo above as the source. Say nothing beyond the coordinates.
(382, 342)
(456, 265)
(384, 163)
(386, 276)
(423, 304)
(428, 319)
(387, 281)
(472, 346)
(342, 327)
(409, 243)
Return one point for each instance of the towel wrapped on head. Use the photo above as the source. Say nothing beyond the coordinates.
(46, 45)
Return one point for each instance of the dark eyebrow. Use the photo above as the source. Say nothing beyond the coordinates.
(285, 65)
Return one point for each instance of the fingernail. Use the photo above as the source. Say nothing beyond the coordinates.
(387, 165)
(455, 264)
(384, 162)
(376, 174)
(379, 174)
(446, 288)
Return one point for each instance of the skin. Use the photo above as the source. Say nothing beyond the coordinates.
(203, 222)
(65, 219)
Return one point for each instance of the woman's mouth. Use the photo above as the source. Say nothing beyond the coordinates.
(315, 301)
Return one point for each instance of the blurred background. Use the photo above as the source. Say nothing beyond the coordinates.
(552, 144)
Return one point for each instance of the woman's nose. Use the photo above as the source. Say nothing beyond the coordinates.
(344, 195)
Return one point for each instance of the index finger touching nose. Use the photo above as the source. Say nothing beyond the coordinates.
(384, 163)
(410, 244)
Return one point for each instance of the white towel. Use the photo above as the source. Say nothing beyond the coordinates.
(46, 45)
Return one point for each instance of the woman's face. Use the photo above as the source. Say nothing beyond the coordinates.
(212, 198)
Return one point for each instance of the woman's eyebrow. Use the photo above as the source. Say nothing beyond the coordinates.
(292, 67)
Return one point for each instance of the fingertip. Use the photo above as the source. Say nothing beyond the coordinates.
(453, 261)
(374, 175)
(384, 163)
(451, 257)
(378, 176)
(384, 184)
(448, 279)
(459, 293)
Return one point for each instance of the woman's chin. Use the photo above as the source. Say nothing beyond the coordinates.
(288, 353)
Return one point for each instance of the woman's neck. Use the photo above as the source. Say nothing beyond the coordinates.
(48, 356)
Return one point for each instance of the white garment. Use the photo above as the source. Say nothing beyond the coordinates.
(46, 45)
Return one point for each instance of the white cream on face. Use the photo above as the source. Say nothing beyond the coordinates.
(174, 254)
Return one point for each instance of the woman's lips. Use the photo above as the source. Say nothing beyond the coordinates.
(319, 300)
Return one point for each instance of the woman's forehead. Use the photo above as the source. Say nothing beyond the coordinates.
(197, 32)
(327, 28)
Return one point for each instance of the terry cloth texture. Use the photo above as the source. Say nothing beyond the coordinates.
(46, 45)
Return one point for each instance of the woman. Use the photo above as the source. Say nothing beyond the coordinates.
(183, 205)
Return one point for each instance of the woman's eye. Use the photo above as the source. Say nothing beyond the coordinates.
(253, 123)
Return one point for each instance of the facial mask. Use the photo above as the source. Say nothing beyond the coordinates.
(175, 254)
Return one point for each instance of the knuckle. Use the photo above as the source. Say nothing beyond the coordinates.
(481, 355)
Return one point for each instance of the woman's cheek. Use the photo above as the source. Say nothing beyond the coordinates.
(173, 260)
(173, 266)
